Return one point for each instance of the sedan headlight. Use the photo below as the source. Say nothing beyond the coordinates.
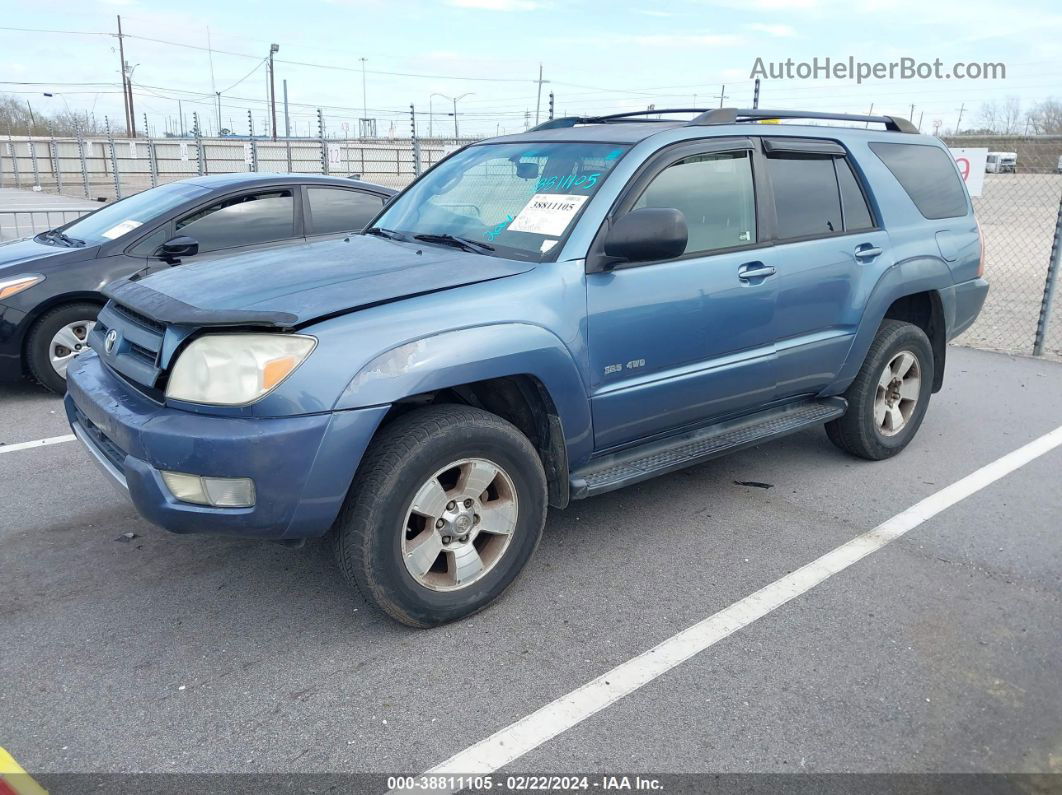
(16, 284)
(236, 369)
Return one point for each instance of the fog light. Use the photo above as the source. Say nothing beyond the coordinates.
(216, 492)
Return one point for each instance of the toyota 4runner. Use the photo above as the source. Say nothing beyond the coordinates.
(539, 318)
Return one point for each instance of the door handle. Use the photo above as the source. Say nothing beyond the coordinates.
(867, 251)
(755, 272)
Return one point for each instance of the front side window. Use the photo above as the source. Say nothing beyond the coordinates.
(806, 197)
(341, 210)
(520, 198)
(242, 221)
(714, 192)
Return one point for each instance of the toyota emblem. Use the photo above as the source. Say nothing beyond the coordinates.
(108, 343)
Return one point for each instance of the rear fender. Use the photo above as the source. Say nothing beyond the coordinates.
(461, 357)
(915, 275)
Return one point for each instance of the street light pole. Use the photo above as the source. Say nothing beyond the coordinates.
(364, 102)
(273, 48)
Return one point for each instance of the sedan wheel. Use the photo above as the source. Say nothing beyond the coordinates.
(68, 342)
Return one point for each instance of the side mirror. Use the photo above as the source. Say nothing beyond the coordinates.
(649, 233)
(177, 248)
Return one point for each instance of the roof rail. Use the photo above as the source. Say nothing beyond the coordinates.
(571, 121)
(733, 115)
(725, 116)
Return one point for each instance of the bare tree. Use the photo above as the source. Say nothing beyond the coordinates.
(1045, 118)
(17, 118)
(1010, 116)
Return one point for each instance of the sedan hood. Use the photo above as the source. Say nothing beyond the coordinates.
(17, 256)
(293, 285)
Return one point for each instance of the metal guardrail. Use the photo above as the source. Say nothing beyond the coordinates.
(15, 224)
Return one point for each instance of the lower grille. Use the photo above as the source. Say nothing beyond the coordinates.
(110, 450)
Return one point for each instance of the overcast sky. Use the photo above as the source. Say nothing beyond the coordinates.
(599, 56)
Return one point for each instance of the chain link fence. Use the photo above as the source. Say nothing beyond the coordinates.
(1020, 213)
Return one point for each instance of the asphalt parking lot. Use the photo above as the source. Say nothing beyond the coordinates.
(937, 653)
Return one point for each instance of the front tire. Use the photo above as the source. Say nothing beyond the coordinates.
(56, 339)
(888, 399)
(446, 508)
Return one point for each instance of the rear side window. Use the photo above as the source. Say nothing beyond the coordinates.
(806, 198)
(857, 215)
(340, 210)
(928, 175)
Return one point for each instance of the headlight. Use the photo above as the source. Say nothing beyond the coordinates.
(235, 369)
(16, 284)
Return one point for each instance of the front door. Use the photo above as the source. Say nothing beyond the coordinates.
(678, 342)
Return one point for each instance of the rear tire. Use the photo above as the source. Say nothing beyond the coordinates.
(52, 342)
(888, 399)
(445, 510)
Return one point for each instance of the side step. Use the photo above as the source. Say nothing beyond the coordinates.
(667, 455)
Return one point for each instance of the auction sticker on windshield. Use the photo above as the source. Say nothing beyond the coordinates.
(547, 214)
(120, 229)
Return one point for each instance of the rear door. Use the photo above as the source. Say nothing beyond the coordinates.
(829, 249)
(676, 342)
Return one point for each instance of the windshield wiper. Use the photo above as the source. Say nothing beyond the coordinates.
(389, 234)
(458, 242)
(55, 234)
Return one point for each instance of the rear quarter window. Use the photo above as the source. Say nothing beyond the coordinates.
(928, 175)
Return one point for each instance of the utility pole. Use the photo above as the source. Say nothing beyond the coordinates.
(273, 48)
(125, 79)
(287, 119)
(959, 122)
(456, 136)
(33, 121)
(869, 113)
(213, 87)
(911, 117)
(180, 117)
(722, 94)
(538, 101)
(364, 102)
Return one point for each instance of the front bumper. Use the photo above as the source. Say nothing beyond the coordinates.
(11, 322)
(302, 466)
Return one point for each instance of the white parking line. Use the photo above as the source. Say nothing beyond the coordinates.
(10, 448)
(551, 720)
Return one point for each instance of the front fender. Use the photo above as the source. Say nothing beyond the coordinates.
(476, 354)
(915, 275)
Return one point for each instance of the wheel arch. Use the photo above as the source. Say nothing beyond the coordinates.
(47, 305)
(912, 291)
(521, 372)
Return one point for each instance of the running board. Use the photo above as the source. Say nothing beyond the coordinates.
(667, 455)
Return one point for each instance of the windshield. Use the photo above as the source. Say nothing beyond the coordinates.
(114, 220)
(521, 199)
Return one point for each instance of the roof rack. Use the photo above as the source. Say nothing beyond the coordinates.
(714, 116)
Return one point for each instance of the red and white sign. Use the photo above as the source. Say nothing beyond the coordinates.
(971, 163)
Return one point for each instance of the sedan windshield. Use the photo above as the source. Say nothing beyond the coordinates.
(114, 220)
(519, 199)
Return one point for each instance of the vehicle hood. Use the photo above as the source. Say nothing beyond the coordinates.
(292, 285)
(18, 256)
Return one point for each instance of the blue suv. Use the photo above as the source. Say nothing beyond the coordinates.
(539, 318)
